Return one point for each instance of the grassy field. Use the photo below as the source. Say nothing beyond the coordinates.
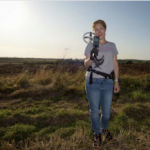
(44, 107)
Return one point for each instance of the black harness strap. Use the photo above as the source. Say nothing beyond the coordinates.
(107, 76)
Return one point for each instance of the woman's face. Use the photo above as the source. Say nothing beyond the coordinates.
(100, 31)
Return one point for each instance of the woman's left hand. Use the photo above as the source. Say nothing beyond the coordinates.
(116, 87)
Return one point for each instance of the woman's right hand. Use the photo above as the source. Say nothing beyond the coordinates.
(94, 52)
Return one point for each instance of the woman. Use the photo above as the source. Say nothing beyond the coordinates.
(100, 92)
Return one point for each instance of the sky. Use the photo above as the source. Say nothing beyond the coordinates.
(55, 29)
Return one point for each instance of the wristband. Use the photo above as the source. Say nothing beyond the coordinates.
(116, 80)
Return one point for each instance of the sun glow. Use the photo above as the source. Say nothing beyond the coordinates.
(11, 14)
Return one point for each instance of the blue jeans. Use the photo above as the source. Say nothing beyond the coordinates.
(99, 93)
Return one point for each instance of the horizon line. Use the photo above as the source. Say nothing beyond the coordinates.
(69, 58)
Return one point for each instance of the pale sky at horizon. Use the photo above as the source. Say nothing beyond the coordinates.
(44, 29)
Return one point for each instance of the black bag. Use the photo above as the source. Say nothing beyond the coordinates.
(107, 76)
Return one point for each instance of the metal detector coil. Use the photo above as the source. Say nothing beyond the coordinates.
(88, 37)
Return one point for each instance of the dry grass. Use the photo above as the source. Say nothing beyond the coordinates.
(46, 109)
(81, 140)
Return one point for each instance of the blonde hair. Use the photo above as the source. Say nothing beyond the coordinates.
(99, 22)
